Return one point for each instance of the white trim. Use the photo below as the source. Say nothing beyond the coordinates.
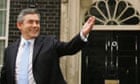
(0, 66)
(7, 23)
(3, 9)
(117, 27)
(5, 38)
(2, 38)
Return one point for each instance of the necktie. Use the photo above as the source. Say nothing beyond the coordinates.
(24, 63)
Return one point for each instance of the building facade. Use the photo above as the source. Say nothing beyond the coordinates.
(112, 54)
(113, 47)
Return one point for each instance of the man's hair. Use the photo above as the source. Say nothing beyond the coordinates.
(26, 12)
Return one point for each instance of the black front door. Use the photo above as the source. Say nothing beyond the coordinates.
(111, 55)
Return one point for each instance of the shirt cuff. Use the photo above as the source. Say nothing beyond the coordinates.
(85, 39)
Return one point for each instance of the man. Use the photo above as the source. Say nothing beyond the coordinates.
(41, 64)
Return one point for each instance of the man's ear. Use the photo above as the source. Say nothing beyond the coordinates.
(19, 24)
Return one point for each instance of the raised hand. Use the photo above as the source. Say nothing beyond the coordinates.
(88, 25)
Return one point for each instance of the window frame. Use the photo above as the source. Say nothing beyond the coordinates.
(5, 37)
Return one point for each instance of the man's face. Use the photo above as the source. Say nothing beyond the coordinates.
(30, 26)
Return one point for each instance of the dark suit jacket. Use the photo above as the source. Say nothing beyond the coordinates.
(46, 69)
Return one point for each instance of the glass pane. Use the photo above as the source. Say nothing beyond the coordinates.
(129, 12)
(111, 5)
(133, 20)
(2, 23)
(3, 3)
(2, 46)
(94, 11)
(121, 6)
(102, 7)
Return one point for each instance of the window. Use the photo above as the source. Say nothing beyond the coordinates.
(114, 12)
(4, 16)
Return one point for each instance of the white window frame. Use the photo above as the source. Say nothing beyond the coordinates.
(5, 38)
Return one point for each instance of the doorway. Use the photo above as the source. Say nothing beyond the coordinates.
(111, 55)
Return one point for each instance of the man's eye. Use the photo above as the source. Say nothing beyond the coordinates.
(30, 21)
(37, 22)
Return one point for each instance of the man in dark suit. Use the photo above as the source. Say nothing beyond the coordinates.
(44, 52)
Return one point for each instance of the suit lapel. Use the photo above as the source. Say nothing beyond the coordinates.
(13, 54)
(37, 47)
(14, 51)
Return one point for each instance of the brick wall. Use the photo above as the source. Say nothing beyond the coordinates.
(50, 16)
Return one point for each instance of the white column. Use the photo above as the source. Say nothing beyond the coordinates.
(69, 28)
(72, 15)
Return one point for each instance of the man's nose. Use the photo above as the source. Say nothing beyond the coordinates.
(35, 24)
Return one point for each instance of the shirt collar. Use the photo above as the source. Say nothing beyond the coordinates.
(24, 40)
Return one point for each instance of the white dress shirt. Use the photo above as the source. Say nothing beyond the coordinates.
(18, 59)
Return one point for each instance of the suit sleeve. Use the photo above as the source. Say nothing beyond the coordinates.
(71, 47)
(3, 71)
